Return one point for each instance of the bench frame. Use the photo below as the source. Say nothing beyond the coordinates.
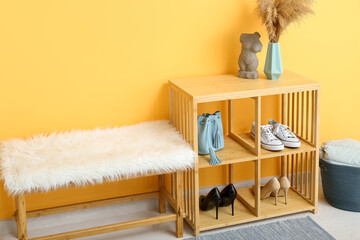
(175, 199)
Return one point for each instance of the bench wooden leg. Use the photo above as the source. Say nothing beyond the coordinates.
(21, 217)
(162, 202)
(178, 200)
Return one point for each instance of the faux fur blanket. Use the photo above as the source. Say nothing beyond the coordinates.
(83, 157)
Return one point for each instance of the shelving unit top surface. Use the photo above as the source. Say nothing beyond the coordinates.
(224, 87)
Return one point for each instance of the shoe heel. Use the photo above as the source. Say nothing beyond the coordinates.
(217, 204)
(217, 212)
(232, 207)
(285, 193)
(276, 192)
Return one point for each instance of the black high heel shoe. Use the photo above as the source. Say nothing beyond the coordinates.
(210, 201)
(228, 195)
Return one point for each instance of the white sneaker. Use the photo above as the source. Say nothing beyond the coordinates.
(284, 134)
(268, 140)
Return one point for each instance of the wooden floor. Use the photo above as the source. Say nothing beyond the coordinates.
(343, 225)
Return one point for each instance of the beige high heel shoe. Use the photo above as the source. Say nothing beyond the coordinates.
(284, 185)
(271, 187)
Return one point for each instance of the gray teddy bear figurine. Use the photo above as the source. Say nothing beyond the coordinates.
(248, 61)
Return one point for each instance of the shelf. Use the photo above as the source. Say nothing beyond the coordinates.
(233, 152)
(305, 147)
(296, 203)
(242, 215)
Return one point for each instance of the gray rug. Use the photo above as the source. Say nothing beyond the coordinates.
(300, 229)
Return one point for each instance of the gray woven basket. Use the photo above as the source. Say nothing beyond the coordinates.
(341, 185)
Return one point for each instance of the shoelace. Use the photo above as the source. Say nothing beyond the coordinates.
(267, 129)
(285, 130)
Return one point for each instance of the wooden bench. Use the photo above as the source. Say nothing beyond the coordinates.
(80, 158)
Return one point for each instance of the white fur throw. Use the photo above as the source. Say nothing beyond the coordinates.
(83, 157)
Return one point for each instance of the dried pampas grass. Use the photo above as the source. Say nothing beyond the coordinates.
(278, 14)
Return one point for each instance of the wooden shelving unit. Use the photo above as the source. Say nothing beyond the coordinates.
(300, 111)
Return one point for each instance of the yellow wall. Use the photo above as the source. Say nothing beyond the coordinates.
(88, 63)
